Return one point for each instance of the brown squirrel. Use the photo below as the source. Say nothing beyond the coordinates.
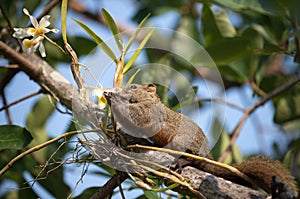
(140, 112)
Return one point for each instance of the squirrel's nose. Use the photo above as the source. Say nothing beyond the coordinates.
(108, 92)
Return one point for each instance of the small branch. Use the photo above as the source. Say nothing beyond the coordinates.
(220, 100)
(20, 100)
(108, 188)
(11, 29)
(11, 66)
(250, 110)
(38, 147)
(48, 8)
(6, 110)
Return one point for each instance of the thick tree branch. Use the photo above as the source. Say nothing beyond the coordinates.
(107, 189)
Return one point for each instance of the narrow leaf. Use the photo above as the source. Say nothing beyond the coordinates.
(14, 137)
(113, 28)
(64, 7)
(137, 52)
(99, 41)
(132, 38)
(133, 76)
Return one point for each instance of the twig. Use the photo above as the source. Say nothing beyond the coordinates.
(120, 188)
(6, 110)
(217, 99)
(108, 188)
(48, 8)
(250, 110)
(11, 29)
(11, 66)
(40, 146)
(20, 100)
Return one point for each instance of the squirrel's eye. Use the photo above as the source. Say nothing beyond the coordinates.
(133, 86)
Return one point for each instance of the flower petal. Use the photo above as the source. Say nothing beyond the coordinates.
(32, 19)
(44, 22)
(21, 33)
(46, 30)
(55, 30)
(42, 49)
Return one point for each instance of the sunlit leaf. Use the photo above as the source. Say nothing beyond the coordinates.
(216, 25)
(14, 137)
(99, 41)
(64, 7)
(82, 45)
(133, 37)
(133, 76)
(113, 28)
(137, 52)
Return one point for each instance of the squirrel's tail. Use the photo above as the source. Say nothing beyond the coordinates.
(260, 169)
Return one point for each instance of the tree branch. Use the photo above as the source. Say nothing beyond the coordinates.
(250, 110)
(108, 188)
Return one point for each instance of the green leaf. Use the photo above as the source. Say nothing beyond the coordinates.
(99, 41)
(287, 109)
(216, 25)
(224, 24)
(113, 28)
(222, 54)
(187, 25)
(133, 37)
(137, 52)
(14, 137)
(36, 124)
(54, 55)
(151, 194)
(133, 76)
(242, 5)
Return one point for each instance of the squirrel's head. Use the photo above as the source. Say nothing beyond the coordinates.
(133, 93)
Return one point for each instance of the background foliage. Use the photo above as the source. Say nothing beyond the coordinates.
(253, 43)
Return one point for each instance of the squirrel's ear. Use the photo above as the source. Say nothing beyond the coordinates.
(151, 88)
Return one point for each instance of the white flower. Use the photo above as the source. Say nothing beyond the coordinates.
(37, 33)
(30, 45)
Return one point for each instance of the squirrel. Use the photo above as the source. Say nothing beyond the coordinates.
(139, 111)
